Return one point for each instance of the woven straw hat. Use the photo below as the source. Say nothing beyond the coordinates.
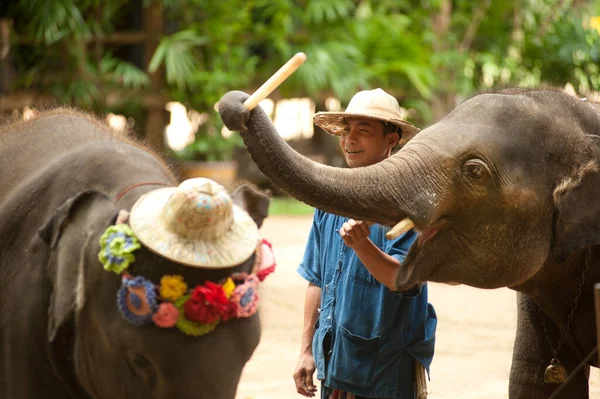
(372, 104)
(195, 224)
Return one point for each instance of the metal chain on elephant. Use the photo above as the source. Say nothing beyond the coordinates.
(555, 372)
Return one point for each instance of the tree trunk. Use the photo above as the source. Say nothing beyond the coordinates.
(156, 118)
(444, 99)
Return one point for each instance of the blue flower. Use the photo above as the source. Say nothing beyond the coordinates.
(137, 300)
(247, 297)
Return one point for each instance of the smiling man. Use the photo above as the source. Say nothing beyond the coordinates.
(361, 335)
(367, 141)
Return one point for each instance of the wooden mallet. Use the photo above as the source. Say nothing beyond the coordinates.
(278, 77)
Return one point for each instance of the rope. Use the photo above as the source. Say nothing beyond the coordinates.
(122, 193)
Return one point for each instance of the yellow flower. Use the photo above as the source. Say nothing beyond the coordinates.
(228, 287)
(595, 23)
(172, 287)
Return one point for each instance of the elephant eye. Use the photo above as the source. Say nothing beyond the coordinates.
(142, 367)
(475, 169)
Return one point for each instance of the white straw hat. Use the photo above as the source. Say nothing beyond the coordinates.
(195, 224)
(372, 104)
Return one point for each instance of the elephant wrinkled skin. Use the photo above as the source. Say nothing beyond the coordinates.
(504, 193)
(61, 334)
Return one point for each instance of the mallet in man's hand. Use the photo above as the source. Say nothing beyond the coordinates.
(271, 84)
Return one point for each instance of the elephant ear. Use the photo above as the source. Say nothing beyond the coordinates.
(577, 220)
(253, 201)
(71, 234)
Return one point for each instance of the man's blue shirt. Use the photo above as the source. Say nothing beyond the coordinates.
(375, 333)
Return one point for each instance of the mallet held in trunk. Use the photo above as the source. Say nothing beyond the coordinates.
(278, 77)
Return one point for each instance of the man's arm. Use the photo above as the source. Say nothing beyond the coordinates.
(381, 265)
(303, 375)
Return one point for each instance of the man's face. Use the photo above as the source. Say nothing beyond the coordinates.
(364, 143)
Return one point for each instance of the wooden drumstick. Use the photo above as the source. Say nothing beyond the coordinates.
(271, 84)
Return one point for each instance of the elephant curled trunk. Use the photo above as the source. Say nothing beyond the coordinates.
(373, 193)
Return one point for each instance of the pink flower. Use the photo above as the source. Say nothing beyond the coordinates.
(166, 315)
(246, 297)
(267, 260)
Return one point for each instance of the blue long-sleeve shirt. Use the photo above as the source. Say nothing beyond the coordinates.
(375, 333)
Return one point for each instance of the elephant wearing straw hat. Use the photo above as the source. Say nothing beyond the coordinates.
(116, 282)
(504, 192)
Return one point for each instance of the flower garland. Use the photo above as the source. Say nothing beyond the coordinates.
(196, 311)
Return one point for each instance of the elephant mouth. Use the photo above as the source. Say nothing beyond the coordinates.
(409, 274)
(426, 236)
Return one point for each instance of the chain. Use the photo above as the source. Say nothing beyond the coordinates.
(571, 313)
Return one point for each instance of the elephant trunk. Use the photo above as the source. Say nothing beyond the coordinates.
(378, 193)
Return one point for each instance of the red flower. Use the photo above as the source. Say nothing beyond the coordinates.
(231, 311)
(207, 303)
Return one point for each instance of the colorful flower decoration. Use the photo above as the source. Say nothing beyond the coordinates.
(206, 304)
(266, 260)
(137, 300)
(189, 327)
(117, 245)
(246, 297)
(166, 316)
(172, 287)
(228, 287)
(196, 311)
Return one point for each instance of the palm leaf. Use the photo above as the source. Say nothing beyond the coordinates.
(177, 54)
(51, 21)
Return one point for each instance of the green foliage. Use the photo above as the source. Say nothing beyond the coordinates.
(52, 21)
(177, 53)
(122, 73)
(552, 45)
(57, 55)
(426, 54)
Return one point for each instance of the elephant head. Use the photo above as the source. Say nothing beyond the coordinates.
(503, 183)
(113, 357)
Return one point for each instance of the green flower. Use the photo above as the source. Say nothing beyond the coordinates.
(117, 245)
(190, 327)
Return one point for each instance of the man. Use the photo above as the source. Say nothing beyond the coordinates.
(361, 335)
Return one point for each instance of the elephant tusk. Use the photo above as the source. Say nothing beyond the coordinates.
(402, 227)
(271, 84)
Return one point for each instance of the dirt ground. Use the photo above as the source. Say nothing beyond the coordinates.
(475, 334)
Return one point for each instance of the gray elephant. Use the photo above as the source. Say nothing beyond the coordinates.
(504, 193)
(71, 329)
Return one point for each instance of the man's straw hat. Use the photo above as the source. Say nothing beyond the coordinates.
(195, 224)
(372, 104)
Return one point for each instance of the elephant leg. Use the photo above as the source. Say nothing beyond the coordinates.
(531, 356)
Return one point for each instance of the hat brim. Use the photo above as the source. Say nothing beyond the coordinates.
(230, 249)
(333, 123)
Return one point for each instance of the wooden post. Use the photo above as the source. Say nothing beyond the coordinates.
(597, 300)
(6, 72)
(156, 118)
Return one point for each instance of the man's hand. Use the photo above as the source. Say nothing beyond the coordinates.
(303, 375)
(355, 233)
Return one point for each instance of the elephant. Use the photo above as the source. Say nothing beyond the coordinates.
(503, 192)
(66, 176)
